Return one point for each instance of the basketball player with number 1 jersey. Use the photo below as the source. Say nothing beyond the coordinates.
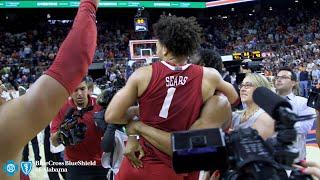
(170, 94)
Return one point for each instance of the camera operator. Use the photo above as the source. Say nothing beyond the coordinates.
(87, 150)
(286, 80)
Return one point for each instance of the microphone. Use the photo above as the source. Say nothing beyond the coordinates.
(276, 106)
(270, 102)
(281, 111)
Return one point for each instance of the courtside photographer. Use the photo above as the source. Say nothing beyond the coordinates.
(75, 128)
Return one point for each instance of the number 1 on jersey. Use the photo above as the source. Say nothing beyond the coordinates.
(167, 102)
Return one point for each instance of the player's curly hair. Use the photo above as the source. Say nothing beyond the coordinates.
(210, 58)
(181, 36)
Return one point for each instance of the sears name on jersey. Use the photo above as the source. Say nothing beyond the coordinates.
(173, 81)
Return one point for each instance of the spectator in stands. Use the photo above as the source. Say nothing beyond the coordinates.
(304, 77)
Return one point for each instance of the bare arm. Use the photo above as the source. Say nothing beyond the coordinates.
(215, 113)
(158, 138)
(264, 125)
(227, 89)
(212, 80)
(132, 112)
(126, 97)
(22, 118)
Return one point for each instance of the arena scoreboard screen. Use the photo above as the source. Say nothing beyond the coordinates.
(247, 55)
(141, 24)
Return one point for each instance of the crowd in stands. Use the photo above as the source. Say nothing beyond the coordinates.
(290, 38)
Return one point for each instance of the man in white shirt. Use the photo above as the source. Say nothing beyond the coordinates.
(285, 81)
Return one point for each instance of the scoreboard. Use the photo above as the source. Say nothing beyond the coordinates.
(247, 55)
(140, 24)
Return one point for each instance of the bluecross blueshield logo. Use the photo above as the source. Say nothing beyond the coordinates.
(26, 167)
(10, 168)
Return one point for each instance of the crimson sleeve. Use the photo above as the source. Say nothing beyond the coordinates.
(77, 51)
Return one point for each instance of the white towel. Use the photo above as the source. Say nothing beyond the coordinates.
(120, 138)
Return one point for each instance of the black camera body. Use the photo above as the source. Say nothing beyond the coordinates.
(103, 100)
(72, 132)
(242, 154)
(252, 65)
(196, 150)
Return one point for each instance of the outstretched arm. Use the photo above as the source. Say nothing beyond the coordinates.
(23, 118)
(116, 112)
